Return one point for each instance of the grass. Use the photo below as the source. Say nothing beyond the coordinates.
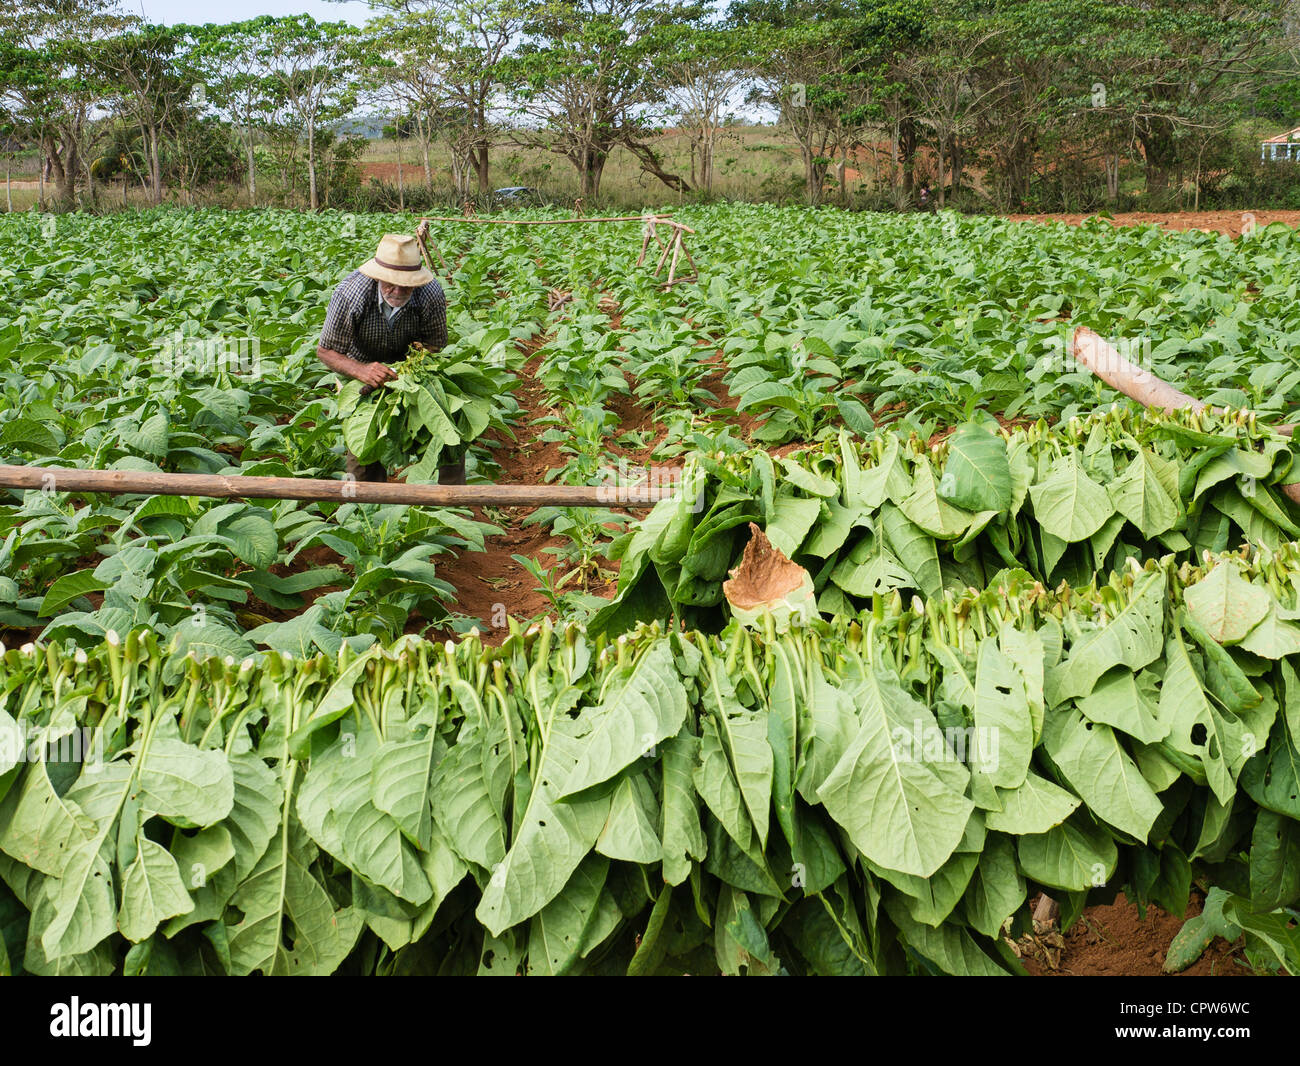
(751, 163)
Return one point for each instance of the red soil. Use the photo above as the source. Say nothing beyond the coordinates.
(1227, 222)
(1112, 941)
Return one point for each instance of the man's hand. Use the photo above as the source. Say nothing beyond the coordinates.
(374, 374)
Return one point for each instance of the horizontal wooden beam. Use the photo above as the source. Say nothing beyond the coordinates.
(222, 486)
(1142, 385)
(658, 219)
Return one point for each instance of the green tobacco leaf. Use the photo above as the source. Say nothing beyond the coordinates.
(400, 785)
(902, 810)
(553, 837)
(1074, 856)
(1197, 933)
(1272, 777)
(977, 475)
(464, 805)
(1196, 728)
(950, 948)
(290, 925)
(871, 567)
(930, 900)
(152, 891)
(914, 549)
(1274, 861)
(1004, 726)
(1119, 700)
(683, 838)
(185, 785)
(1226, 604)
(925, 507)
(336, 809)
(255, 810)
(558, 932)
(996, 890)
(629, 831)
(254, 539)
(1146, 493)
(641, 709)
(1274, 637)
(1099, 769)
(1068, 503)
(70, 587)
(1275, 930)
(1034, 808)
(715, 782)
(38, 827)
(1133, 638)
(788, 527)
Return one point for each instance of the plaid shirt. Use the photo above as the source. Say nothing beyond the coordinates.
(355, 324)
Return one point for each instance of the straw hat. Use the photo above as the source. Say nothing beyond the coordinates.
(398, 262)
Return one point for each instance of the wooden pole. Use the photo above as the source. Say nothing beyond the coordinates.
(1134, 381)
(556, 221)
(221, 486)
(1142, 385)
(677, 251)
(424, 250)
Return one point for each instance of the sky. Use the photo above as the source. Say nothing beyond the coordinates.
(168, 12)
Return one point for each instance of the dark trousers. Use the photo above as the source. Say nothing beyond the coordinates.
(448, 474)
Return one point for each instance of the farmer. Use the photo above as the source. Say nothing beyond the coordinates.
(374, 316)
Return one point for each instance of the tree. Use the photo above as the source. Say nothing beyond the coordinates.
(587, 81)
(313, 64)
(949, 91)
(454, 66)
(152, 85)
(700, 70)
(237, 79)
(1178, 68)
(825, 67)
(51, 76)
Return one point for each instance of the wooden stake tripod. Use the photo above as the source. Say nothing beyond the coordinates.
(673, 247)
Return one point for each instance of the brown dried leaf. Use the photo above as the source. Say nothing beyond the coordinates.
(764, 574)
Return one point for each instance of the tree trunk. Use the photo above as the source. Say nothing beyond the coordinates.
(814, 174)
(311, 166)
(155, 165)
(252, 172)
(9, 196)
(66, 165)
(401, 181)
(593, 167)
(893, 158)
(943, 174)
(956, 162)
(1160, 152)
(651, 164)
(480, 154)
(907, 151)
(90, 183)
(424, 151)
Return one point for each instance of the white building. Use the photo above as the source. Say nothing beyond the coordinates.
(1284, 147)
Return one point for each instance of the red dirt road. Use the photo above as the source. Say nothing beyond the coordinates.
(1228, 222)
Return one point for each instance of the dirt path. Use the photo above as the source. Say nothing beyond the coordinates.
(1227, 222)
(1111, 941)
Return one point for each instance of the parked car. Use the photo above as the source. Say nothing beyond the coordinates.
(519, 195)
